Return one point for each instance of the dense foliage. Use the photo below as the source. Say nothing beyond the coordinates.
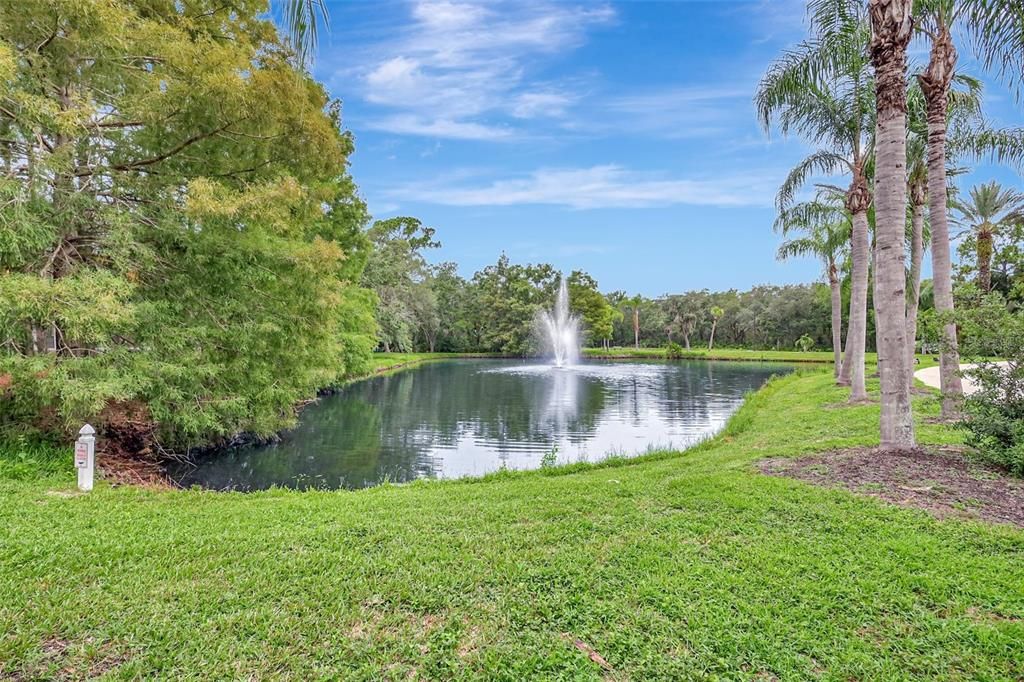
(994, 414)
(180, 243)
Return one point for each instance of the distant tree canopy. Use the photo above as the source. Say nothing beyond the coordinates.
(495, 309)
(398, 273)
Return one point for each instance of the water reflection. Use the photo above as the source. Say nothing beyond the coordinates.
(461, 418)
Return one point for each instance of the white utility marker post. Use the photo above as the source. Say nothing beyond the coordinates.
(85, 457)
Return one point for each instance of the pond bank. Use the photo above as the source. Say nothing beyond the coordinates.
(673, 566)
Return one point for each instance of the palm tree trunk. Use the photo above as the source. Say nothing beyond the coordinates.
(892, 26)
(856, 332)
(837, 317)
(983, 249)
(914, 300)
(935, 86)
(873, 281)
(711, 340)
(636, 327)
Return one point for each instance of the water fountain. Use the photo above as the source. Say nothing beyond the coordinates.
(561, 330)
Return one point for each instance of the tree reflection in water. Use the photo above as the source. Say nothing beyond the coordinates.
(469, 417)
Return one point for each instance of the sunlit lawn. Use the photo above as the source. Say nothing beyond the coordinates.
(676, 566)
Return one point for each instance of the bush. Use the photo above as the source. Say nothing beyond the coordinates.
(994, 414)
(674, 351)
(805, 343)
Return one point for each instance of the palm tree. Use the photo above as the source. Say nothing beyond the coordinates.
(300, 23)
(824, 91)
(825, 229)
(996, 31)
(687, 323)
(964, 113)
(990, 208)
(892, 27)
(805, 343)
(716, 315)
(917, 192)
(635, 303)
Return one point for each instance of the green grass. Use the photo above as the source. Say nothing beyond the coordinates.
(741, 354)
(390, 361)
(386, 362)
(674, 566)
(717, 354)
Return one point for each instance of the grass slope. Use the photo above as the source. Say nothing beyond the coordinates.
(744, 354)
(625, 352)
(385, 362)
(676, 566)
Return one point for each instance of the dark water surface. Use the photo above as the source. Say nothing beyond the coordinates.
(469, 417)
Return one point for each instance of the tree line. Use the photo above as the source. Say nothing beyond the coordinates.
(432, 308)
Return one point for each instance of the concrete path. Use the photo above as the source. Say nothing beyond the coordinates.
(929, 376)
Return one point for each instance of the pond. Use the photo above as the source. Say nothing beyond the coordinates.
(457, 418)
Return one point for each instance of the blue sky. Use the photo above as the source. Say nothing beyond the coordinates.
(616, 137)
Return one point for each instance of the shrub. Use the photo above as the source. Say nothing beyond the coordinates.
(994, 414)
(550, 458)
(805, 343)
(674, 351)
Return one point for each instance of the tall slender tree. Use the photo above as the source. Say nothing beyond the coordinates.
(964, 114)
(917, 193)
(716, 315)
(687, 323)
(892, 29)
(995, 29)
(824, 91)
(824, 228)
(636, 302)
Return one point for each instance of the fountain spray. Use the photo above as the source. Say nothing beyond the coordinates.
(562, 329)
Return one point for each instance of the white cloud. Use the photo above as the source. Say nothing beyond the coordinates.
(410, 124)
(685, 112)
(378, 210)
(396, 73)
(448, 15)
(541, 104)
(459, 66)
(605, 186)
(679, 98)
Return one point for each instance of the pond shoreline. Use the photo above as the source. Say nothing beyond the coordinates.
(154, 471)
(698, 356)
(335, 430)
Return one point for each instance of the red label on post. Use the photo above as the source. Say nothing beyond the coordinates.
(81, 455)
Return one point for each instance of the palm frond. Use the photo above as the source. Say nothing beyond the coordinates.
(823, 162)
(1001, 145)
(823, 74)
(301, 22)
(996, 31)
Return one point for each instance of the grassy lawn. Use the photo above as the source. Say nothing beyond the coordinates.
(676, 566)
(719, 354)
(385, 362)
(743, 354)
(626, 352)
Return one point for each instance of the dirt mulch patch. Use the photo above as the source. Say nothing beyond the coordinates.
(121, 469)
(940, 481)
